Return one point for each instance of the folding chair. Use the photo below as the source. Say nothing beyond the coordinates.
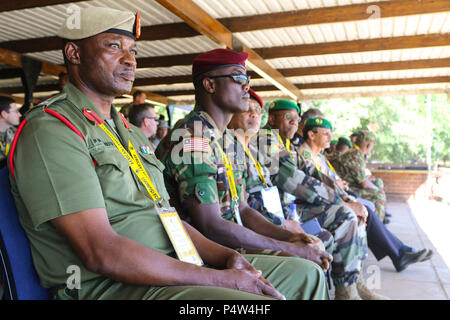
(19, 278)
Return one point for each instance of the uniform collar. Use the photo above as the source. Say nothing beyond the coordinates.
(210, 120)
(81, 101)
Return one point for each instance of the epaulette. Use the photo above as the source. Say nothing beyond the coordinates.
(52, 99)
(39, 108)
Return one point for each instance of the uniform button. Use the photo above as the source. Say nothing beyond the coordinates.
(201, 193)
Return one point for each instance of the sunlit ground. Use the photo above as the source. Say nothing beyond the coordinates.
(433, 218)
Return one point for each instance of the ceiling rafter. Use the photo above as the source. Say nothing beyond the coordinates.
(334, 84)
(201, 21)
(353, 12)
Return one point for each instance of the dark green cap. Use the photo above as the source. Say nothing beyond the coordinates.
(318, 122)
(345, 141)
(283, 104)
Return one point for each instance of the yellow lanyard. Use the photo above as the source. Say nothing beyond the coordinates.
(228, 165)
(288, 146)
(356, 146)
(233, 190)
(331, 167)
(132, 157)
(257, 166)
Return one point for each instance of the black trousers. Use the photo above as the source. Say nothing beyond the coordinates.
(381, 241)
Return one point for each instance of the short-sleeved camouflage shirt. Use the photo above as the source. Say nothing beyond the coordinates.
(289, 174)
(195, 167)
(6, 139)
(351, 167)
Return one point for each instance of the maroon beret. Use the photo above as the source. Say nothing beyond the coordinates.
(217, 58)
(254, 96)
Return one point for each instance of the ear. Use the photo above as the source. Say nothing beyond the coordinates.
(72, 51)
(271, 119)
(3, 114)
(310, 134)
(209, 85)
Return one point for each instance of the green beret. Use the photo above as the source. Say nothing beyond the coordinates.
(95, 20)
(345, 141)
(283, 104)
(318, 122)
(333, 141)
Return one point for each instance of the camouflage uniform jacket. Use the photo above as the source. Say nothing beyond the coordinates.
(287, 176)
(323, 171)
(195, 166)
(6, 139)
(254, 185)
(351, 167)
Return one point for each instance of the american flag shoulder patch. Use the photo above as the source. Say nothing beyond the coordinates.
(195, 144)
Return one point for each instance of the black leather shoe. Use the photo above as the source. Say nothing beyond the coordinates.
(387, 215)
(408, 258)
(428, 256)
(386, 220)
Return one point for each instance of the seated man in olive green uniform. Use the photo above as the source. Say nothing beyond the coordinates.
(206, 176)
(9, 119)
(90, 199)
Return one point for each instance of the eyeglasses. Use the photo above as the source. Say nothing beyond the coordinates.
(153, 118)
(257, 110)
(290, 117)
(242, 79)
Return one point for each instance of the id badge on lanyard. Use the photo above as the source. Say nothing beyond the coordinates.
(271, 201)
(178, 236)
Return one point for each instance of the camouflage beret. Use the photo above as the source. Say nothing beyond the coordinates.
(318, 122)
(345, 141)
(365, 135)
(96, 20)
(283, 104)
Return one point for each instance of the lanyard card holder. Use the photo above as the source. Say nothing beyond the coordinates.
(178, 236)
(271, 201)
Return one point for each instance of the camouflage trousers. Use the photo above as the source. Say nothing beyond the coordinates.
(378, 197)
(350, 241)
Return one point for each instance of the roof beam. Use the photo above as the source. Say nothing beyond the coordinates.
(321, 70)
(335, 84)
(378, 44)
(353, 12)
(14, 59)
(201, 21)
(26, 4)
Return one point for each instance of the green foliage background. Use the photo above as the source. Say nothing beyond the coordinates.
(399, 123)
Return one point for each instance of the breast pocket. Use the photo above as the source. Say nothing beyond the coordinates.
(113, 173)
